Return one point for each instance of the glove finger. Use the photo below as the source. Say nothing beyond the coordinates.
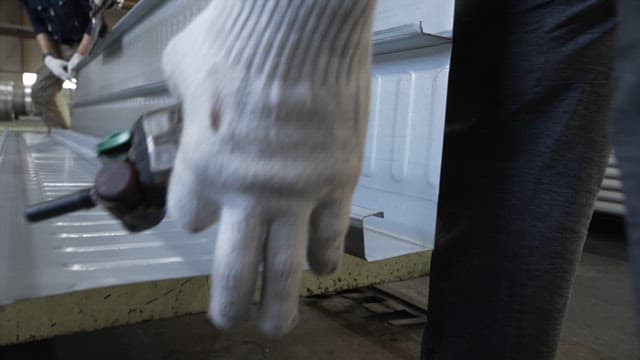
(237, 255)
(188, 201)
(284, 260)
(329, 225)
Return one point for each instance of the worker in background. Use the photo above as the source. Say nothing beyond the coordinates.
(275, 115)
(61, 29)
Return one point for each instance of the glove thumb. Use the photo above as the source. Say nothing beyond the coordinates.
(73, 63)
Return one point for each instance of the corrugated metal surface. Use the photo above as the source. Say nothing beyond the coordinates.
(134, 60)
(611, 196)
(81, 250)
(89, 255)
(401, 171)
(125, 80)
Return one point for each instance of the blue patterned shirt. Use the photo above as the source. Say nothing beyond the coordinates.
(66, 21)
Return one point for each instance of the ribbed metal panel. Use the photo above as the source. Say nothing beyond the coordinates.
(125, 79)
(611, 198)
(401, 172)
(134, 60)
(82, 250)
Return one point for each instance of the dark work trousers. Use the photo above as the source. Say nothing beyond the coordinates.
(626, 127)
(525, 149)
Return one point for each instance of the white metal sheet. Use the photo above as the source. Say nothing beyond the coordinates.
(436, 15)
(81, 250)
(410, 74)
(401, 170)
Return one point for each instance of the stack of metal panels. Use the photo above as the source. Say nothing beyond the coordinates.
(611, 196)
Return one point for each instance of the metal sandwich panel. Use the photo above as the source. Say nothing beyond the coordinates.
(83, 272)
(610, 199)
(131, 58)
(93, 309)
(90, 250)
(88, 257)
(400, 176)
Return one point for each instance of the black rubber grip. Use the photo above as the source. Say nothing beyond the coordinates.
(78, 200)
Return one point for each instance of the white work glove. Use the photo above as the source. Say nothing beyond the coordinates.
(57, 66)
(73, 62)
(275, 103)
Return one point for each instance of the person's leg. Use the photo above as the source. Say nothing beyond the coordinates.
(626, 127)
(525, 150)
(43, 95)
(63, 100)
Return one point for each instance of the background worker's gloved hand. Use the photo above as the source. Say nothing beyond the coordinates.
(73, 62)
(57, 66)
(275, 112)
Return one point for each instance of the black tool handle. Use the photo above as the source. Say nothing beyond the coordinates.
(63, 205)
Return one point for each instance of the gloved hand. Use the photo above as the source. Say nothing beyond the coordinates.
(275, 114)
(73, 62)
(57, 66)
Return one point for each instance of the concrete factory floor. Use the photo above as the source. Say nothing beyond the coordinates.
(369, 324)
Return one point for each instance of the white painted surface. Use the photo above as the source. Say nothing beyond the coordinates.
(401, 170)
(436, 15)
